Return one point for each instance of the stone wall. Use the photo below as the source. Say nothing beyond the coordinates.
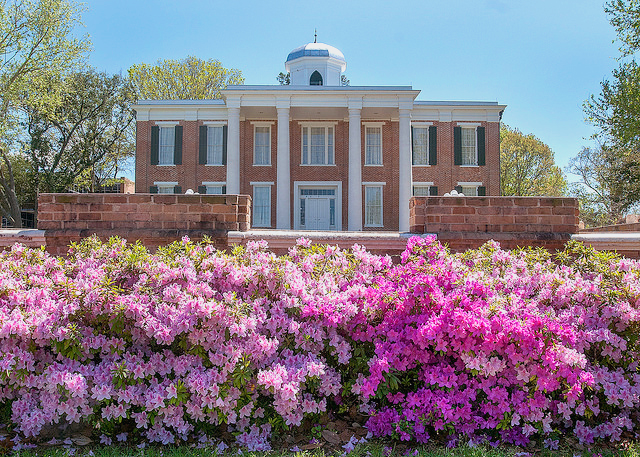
(153, 219)
(468, 222)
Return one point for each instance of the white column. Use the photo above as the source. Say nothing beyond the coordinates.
(283, 171)
(406, 177)
(355, 169)
(233, 150)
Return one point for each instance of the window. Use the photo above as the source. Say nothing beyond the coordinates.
(262, 145)
(317, 146)
(470, 191)
(469, 151)
(420, 145)
(262, 206)
(165, 188)
(373, 206)
(215, 190)
(167, 143)
(316, 79)
(373, 146)
(215, 145)
(421, 191)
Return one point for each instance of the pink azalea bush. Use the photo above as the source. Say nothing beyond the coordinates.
(503, 345)
(486, 345)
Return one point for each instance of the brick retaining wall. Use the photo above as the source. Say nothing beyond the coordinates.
(468, 222)
(152, 218)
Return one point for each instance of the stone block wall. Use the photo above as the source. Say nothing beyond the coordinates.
(468, 222)
(154, 219)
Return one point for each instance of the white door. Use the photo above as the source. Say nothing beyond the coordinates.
(317, 213)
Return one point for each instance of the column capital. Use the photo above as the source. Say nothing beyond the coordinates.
(404, 112)
(354, 103)
(283, 103)
(355, 112)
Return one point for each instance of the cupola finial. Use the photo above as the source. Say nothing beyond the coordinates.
(315, 35)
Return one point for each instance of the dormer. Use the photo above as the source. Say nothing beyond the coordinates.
(315, 64)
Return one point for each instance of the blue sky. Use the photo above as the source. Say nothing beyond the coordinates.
(541, 58)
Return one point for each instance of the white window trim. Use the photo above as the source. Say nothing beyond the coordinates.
(422, 125)
(214, 124)
(374, 185)
(265, 185)
(256, 125)
(261, 183)
(470, 184)
(214, 183)
(325, 124)
(422, 183)
(165, 183)
(375, 125)
(167, 123)
(296, 192)
(467, 125)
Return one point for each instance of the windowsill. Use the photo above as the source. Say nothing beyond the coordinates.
(470, 166)
(422, 165)
(214, 165)
(166, 165)
(261, 164)
(318, 165)
(373, 165)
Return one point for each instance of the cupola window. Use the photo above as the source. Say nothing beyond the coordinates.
(316, 79)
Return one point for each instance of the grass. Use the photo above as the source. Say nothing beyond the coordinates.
(368, 450)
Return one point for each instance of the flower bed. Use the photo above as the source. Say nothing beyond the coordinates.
(490, 344)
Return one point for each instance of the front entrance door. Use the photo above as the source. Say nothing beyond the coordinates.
(317, 217)
(317, 208)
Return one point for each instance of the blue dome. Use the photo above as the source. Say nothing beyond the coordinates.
(315, 50)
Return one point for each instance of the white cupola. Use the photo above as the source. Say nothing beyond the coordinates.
(315, 64)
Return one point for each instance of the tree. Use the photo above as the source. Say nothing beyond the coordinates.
(608, 183)
(88, 130)
(36, 41)
(186, 79)
(527, 166)
(624, 15)
(284, 79)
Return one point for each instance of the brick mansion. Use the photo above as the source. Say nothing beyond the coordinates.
(318, 155)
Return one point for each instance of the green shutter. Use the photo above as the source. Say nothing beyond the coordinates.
(413, 157)
(177, 149)
(202, 189)
(433, 191)
(482, 191)
(177, 189)
(224, 189)
(457, 145)
(153, 189)
(224, 145)
(202, 145)
(458, 189)
(155, 144)
(433, 145)
(481, 154)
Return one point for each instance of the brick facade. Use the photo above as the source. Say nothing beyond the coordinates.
(444, 175)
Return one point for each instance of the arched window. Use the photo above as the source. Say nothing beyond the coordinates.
(316, 79)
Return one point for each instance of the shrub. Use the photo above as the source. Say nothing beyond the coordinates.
(489, 344)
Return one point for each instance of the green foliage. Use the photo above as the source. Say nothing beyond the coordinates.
(186, 79)
(527, 166)
(88, 130)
